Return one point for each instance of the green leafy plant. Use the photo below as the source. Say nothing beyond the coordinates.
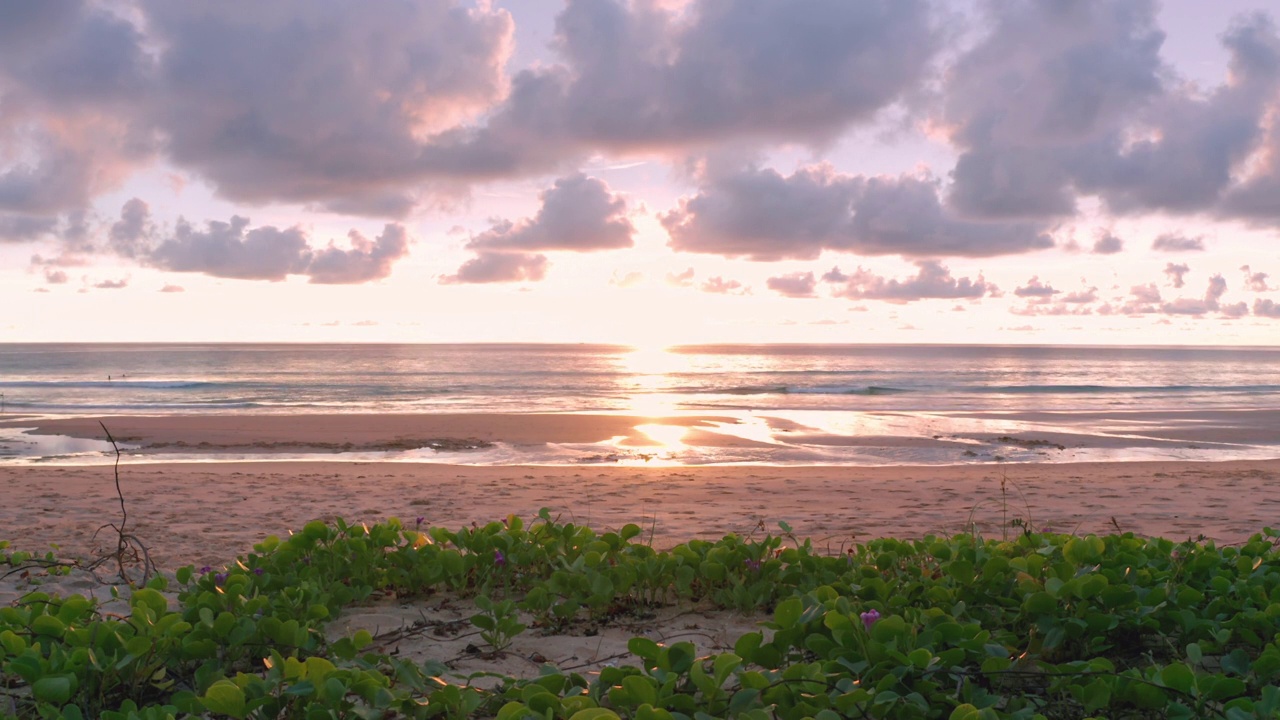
(1027, 626)
(497, 621)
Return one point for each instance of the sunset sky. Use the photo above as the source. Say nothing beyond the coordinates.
(648, 172)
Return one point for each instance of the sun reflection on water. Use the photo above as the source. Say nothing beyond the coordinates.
(670, 438)
(652, 376)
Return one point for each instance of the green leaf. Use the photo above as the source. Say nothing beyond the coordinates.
(640, 689)
(139, 646)
(595, 714)
(1179, 677)
(1237, 662)
(643, 648)
(55, 689)
(1041, 603)
(150, 599)
(12, 643)
(362, 639)
(48, 625)
(887, 628)
(723, 665)
(513, 711)
(788, 612)
(224, 698)
(748, 644)
(1225, 687)
(1194, 654)
(1097, 695)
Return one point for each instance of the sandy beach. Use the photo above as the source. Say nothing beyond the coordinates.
(208, 512)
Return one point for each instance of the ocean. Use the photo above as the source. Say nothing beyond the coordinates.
(1122, 397)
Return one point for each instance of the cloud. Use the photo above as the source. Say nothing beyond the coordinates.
(834, 276)
(681, 279)
(366, 260)
(1146, 293)
(707, 72)
(55, 277)
(762, 215)
(1211, 302)
(1081, 297)
(1107, 244)
(71, 76)
(1062, 99)
(1044, 300)
(172, 289)
(1036, 289)
(578, 213)
(1266, 307)
(16, 227)
(932, 281)
(1048, 79)
(494, 267)
(1234, 310)
(267, 104)
(1255, 281)
(132, 233)
(1176, 273)
(794, 285)
(626, 280)
(232, 250)
(1173, 242)
(722, 286)
(112, 284)
(1050, 310)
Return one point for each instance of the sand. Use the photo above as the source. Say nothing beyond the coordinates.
(207, 513)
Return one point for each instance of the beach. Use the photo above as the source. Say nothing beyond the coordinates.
(210, 510)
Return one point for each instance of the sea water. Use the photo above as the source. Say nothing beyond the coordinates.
(914, 391)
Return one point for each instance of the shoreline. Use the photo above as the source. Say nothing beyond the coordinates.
(765, 439)
(202, 513)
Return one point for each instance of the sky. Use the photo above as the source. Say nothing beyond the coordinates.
(647, 172)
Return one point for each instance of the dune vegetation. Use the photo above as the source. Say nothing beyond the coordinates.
(1025, 625)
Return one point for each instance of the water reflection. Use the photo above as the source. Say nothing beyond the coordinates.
(20, 444)
(651, 377)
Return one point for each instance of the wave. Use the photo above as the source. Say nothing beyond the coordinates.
(1120, 389)
(810, 390)
(130, 407)
(125, 383)
(875, 390)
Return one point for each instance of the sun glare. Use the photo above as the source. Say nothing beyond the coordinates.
(653, 374)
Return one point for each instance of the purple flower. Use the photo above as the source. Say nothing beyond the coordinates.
(752, 564)
(257, 571)
(869, 618)
(419, 521)
(499, 559)
(206, 569)
(220, 578)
